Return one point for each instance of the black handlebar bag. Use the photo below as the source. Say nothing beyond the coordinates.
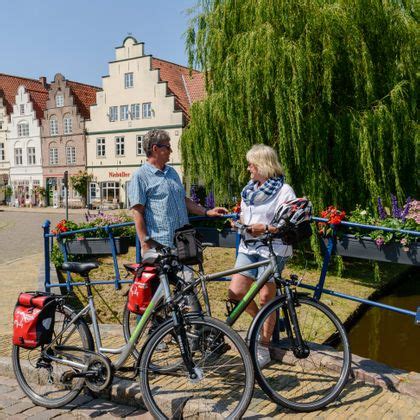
(188, 244)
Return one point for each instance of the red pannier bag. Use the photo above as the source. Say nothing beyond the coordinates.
(143, 288)
(33, 319)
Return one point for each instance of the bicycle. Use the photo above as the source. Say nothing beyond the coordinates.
(309, 348)
(199, 351)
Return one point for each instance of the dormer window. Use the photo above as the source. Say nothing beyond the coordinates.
(128, 80)
(59, 100)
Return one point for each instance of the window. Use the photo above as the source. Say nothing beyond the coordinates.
(70, 155)
(111, 191)
(53, 156)
(18, 156)
(113, 113)
(140, 150)
(100, 147)
(23, 129)
(135, 111)
(147, 110)
(31, 156)
(22, 109)
(68, 124)
(2, 152)
(93, 191)
(119, 146)
(53, 126)
(128, 80)
(123, 112)
(59, 100)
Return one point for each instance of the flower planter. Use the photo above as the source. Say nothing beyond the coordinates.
(223, 239)
(366, 248)
(97, 246)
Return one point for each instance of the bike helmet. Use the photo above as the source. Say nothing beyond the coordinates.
(293, 212)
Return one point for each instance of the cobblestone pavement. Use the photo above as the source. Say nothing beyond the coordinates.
(14, 405)
(358, 401)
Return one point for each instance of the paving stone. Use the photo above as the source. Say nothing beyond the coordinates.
(48, 414)
(6, 388)
(34, 410)
(18, 407)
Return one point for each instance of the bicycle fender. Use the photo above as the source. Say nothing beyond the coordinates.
(265, 308)
(168, 321)
(91, 344)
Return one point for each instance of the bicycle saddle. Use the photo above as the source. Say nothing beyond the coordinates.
(79, 268)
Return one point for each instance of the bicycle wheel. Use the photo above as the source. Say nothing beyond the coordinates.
(41, 379)
(131, 319)
(301, 381)
(225, 378)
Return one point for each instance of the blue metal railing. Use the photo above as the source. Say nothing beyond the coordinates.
(318, 289)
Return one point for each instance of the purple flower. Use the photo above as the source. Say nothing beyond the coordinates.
(379, 241)
(209, 202)
(406, 209)
(381, 210)
(396, 212)
(193, 195)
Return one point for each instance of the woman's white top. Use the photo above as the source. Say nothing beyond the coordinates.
(264, 213)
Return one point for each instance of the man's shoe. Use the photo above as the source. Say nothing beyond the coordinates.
(263, 356)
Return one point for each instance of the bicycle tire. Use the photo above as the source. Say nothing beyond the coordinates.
(33, 377)
(288, 380)
(212, 356)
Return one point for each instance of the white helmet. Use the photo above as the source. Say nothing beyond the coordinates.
(293, 212)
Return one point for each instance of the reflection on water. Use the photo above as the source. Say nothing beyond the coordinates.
(389, 337)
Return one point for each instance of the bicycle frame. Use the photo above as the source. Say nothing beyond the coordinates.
(272, 269)
(163, 291)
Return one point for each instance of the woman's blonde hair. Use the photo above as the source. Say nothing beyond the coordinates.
(265, 159)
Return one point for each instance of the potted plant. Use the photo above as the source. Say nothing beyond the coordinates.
(216, 231)
(377, 245)
(97, 242)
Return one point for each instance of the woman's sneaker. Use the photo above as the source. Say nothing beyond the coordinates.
(263, 356)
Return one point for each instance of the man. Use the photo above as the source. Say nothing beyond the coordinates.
(157, 197)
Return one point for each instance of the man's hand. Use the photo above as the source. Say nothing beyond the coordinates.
(217, 211)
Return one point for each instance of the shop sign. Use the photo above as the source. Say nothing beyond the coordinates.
(121, 174)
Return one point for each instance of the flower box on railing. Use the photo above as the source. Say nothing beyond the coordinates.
(225, 238)
(97, 246)
(366, 248)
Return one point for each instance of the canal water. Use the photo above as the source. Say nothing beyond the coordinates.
(389, 337)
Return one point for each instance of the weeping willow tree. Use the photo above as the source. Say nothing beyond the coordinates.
(331, 85)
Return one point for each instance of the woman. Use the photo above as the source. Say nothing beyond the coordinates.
(261, 197)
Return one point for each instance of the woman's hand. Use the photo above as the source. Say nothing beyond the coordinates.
(257, 229)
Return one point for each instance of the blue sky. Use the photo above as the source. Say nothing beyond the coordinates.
(77, 38)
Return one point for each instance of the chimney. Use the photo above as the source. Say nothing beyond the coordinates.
(43, 81)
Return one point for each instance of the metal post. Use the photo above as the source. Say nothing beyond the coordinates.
(108, 230)
(47, 281)
(138, 250)
(320, 286)
(66, 190)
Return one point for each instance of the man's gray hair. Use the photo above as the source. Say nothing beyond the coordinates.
(154, 137)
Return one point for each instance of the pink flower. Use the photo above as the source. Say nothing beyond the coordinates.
(379, 242)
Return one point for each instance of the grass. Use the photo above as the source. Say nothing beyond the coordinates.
(356, 279)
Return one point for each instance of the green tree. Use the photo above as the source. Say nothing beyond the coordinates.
(331, 85)
(80, 183)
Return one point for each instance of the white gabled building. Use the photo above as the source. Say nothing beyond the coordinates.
(24, 144)
(140, 93)
(4, 156)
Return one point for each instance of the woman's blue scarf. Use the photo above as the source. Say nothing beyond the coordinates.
(271, 187)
